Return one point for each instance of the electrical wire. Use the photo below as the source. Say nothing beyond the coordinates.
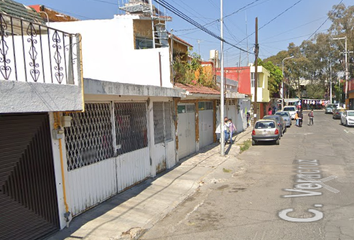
(270, 21)
(322, 24)
(194, 23)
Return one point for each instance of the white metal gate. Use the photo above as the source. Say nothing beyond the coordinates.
(186, 130)
(206, 135)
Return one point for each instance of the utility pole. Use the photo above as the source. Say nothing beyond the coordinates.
(222, 133)
(346, 64)
(256, 51)
(282, 83)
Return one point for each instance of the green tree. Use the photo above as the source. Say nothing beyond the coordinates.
(192, 72)
(315, 91)
(275, 79)
(342, 18)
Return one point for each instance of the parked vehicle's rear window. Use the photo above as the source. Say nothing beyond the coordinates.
(289, 109)
(262, 125)
(283, 114)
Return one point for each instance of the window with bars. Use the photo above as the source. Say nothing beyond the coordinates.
(131, 126)
(89, 139)
(162, 122)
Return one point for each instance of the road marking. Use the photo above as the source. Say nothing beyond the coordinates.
(345, 130)
(321, 181)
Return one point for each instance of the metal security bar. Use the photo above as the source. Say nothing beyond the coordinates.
(31, 52)
(89, 139)
(168, 122)
(162, 122)
(130, 126)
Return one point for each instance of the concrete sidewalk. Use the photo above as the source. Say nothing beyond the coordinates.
(129, 214)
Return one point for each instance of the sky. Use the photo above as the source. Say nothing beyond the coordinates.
(280, 22)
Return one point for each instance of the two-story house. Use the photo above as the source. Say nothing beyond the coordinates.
(263, 97)
(40, 83)
(245, 76)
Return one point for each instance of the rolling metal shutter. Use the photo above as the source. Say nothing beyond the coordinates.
(28, 199)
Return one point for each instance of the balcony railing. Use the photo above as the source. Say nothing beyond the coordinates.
(31, 52)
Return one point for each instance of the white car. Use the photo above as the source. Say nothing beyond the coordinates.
(347, 118)
(292, 111)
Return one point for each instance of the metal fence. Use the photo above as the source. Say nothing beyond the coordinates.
(162, 122)
(31, 52)
(90, 137)
(131, 126)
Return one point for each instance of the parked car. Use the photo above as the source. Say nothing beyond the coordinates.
(265, 130)
(329, 108)
(337, 112)
(286, 117)
(292, 111)
(280, 122)
(347, 118)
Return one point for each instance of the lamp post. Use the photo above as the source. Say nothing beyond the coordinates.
(282, 84)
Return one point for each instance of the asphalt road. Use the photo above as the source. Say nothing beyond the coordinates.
(301, 189)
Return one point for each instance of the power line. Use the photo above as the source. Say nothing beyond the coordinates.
(218, 20)
(280, 14)
(240, 9)
(102, 1)
(270, 21)
(290, 30)
(194, 23)
(322, 23)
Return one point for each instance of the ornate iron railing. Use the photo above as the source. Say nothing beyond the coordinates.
(31, 52)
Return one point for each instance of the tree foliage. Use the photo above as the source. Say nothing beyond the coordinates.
(275, 79)
(192, 72)
(319, 58)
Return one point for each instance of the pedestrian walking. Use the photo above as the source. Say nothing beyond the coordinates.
(232, 129)
(310, 117)
(226, 129)
(297, 118)
(269, 111)
(301, 117)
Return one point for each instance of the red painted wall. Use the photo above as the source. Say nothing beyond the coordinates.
(240, 74)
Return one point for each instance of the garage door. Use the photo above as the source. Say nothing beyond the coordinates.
(28, 199)
(206, 133)
(186, 130)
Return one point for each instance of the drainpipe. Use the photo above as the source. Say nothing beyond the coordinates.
(57, 127)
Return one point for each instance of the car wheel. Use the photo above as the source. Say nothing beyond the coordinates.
(277, 142)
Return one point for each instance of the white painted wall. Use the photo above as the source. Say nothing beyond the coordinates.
(45, 54)
(109, 54)
(238, 117)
